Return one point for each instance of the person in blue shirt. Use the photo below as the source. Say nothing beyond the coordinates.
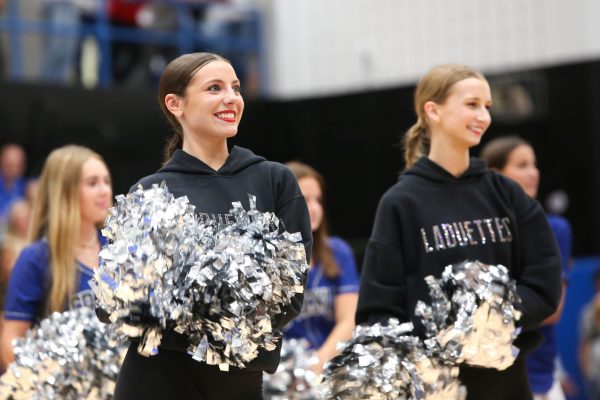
(12, 182)
(515, 158)
(327, 316)
(52, 273)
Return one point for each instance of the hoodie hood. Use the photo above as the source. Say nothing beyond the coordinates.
(427, 169)
(238, 160)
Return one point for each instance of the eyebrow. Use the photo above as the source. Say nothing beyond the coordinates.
(476, 98)
(220, 81)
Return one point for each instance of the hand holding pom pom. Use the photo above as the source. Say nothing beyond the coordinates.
(223, 286)
(472, 315)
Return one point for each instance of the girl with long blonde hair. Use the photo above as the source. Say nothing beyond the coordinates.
(51, 273)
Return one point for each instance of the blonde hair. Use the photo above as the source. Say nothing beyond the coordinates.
(435, 86)
(56, 216)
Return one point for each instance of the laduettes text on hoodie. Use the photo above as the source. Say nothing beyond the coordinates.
(476, 232)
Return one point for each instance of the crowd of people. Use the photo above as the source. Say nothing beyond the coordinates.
(70, 45)
(51, 240)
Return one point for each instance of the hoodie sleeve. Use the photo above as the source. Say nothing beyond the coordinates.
(539, 279)
(383, 283)
(291, 209)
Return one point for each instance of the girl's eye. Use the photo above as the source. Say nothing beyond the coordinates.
(237, 89)
(214, 88)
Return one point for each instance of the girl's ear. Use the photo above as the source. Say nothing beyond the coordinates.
(174, 104)
(432, 111)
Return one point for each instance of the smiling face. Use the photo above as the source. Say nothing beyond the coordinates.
(521, 167)
(213, 105)
(95, 191)
(464, 116)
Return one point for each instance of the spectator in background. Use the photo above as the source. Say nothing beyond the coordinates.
(224, 27)
(125, 55)
(12, 244)
(14, 240)
(52, 273)
(589, 356)
(12, 182)
(327, 316)
(31, 190)
(2, 52)
(135, 64)
(515, 158)
(61, 47)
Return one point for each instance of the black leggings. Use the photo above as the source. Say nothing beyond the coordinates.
(175, 375)
(491, 384)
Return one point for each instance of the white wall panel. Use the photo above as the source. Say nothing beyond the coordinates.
(323, 47)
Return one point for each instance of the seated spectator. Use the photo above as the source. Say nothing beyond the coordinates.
(12, 182)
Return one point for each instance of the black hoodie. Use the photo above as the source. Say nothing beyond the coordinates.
(212, 192)
(430, 219)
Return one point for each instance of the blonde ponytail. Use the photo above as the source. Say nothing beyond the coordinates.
(415, 143)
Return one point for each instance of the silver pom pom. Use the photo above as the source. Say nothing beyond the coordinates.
(382, 362)
(294, 378)
(69, 356)
(472, 315)
(220, 285)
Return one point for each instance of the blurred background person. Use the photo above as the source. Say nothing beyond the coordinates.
(14, 240)
(61, 50)
(515, 158)
(589, 346)
(52, 273)
(331, 294)
(31, 189)
(12, 181)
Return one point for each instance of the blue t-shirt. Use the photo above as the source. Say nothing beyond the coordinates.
(28, 285)
(317, 319)
(8, 196)
(540, 363)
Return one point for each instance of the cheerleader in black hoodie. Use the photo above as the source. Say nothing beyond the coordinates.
(200, 95)
(446, 208)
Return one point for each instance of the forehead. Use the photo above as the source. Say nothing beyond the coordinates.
(522, 151)
(93, 166)
(472, 87)
(12, 152)
(309, 183)
(215, 70)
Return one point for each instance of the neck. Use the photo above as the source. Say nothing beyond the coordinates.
(213, 153)
(454, 159)
(87, 233)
